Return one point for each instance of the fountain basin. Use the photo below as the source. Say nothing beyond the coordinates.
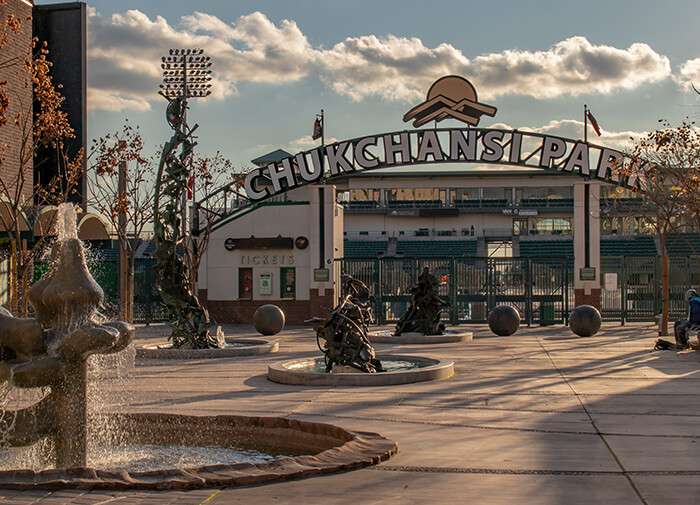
(235, 347)
(311, 372)
(321, 449)
(388, 337)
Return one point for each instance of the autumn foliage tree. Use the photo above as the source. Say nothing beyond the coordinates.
(129, 207)
(666, 164)
(208, 174)
(31, 114)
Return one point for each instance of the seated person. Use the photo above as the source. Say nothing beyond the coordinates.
(680, 329)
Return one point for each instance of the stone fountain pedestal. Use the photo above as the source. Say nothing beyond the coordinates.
(52, 349)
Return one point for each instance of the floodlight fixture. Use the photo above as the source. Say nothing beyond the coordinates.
(186, 74)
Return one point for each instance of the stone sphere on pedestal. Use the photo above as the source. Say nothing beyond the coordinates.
(268, 319)
(504, 320)
(585, 320)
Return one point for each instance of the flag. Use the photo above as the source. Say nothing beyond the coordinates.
(190, 188)
(594, 123)
(318, 129)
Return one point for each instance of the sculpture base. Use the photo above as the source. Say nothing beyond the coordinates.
(388, 337)
(399, 370)
(239, 347)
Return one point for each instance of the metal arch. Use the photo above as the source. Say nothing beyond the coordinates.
(530, 157)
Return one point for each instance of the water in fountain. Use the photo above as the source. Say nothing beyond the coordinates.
(34, 457)
(54, 350)
(66, 225)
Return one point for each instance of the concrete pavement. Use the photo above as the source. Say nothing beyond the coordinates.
(539, 417)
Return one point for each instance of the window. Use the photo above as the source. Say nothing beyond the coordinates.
(400, 194)
(364, 195)
(471, 193)
(552, 226)
(494, 193)
(520, 226)
(618, 225)
(426, 194)
(559, 193)
(644, 226)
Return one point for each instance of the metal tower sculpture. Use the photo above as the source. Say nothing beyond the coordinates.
(186, 74)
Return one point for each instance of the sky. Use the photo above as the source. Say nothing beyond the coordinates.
(277, 63)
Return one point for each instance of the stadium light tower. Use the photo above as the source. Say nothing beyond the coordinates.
(186, 74)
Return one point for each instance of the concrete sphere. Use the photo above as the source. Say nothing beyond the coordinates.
(268, 319)
(504, 320)
(585, 320)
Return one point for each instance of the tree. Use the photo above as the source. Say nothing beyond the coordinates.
(129, 207)
(208, 175)
(32, 117)
(684, 144)
(665, 164)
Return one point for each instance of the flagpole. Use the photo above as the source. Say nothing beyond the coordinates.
(586, 200)
(321, 202)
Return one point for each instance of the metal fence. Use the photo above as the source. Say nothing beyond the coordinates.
(631, 286)
(541, 288)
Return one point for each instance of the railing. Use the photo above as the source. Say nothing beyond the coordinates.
(464, 205)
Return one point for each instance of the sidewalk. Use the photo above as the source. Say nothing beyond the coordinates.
(540, 417)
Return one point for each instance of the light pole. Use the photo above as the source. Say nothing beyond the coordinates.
(186, 74)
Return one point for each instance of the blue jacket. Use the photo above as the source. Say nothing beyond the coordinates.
(694, 316)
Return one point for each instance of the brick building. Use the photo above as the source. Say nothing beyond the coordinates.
(67, 54)
(20, 97)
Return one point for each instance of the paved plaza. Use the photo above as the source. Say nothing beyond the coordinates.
(541, 417)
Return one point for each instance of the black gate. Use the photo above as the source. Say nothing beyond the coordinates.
(538, 287)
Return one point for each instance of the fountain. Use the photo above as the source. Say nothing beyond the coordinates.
(349, 358)
(51, 352)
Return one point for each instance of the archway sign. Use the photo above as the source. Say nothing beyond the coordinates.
(449, 97)
(453, 97)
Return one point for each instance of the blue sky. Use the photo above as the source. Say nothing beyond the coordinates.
(277, 63)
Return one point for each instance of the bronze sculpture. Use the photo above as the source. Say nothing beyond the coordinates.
(423, 315)
(344, 331)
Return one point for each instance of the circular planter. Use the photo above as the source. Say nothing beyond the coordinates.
(328, 449)
(387, 337)
(299, 372)
(252, 347)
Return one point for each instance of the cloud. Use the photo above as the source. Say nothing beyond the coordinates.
(689, 74)
(573, 129)
(125, 50)
(114, 100)
(402, 69)
(571, 67)
(306, 143)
